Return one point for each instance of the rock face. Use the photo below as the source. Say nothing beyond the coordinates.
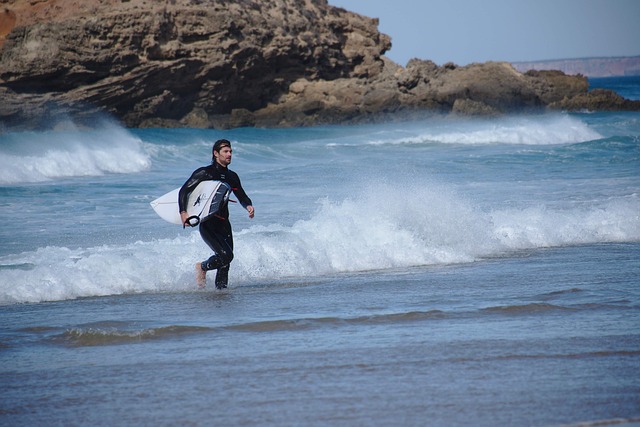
(222, 63)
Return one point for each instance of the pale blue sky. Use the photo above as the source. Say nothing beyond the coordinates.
(466, 31)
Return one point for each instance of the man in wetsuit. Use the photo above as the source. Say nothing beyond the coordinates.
(216, 230)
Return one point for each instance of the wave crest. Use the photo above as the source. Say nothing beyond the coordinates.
(552, 129)
(28, 157)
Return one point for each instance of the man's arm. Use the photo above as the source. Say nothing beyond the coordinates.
(244, 200)
(196, 178)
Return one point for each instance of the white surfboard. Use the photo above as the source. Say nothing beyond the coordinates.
(205, 200)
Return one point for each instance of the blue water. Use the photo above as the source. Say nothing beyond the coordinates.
(437, 272)
(626, 86)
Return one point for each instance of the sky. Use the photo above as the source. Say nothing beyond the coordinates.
(467, 31)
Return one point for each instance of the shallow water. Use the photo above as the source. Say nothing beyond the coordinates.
(541, 338)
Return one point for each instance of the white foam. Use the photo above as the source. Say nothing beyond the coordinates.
(42, 156)
(617, 220)
(434, 226)
(552, 129)
(379, 229)
(58, 273)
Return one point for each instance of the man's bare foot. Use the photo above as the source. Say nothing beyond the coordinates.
(201, 276)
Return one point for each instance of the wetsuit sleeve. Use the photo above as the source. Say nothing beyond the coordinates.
(196, 178)
(240, 193)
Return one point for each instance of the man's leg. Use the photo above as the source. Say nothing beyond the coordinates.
(201, 276)
(217, 235)
(222, 277)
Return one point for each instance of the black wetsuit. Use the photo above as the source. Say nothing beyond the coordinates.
(216, 230)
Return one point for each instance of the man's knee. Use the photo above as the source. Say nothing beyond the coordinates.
(217, 261)
(228, 257)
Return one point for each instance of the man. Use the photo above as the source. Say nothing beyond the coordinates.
(216, 230)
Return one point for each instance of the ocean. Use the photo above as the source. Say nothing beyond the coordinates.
(442, 272)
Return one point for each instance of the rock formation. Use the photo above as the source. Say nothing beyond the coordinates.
(222, 63)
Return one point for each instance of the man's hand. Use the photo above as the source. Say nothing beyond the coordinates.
(183, 217)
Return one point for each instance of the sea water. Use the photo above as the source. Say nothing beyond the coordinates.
(443, 271)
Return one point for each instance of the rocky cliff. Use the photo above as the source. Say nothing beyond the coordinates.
(222, 63)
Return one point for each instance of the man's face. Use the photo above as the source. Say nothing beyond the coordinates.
(224, 156)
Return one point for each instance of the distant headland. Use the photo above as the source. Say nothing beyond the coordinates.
(236, 63)
(590, 67)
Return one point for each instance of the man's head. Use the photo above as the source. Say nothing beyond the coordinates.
(222, 152)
